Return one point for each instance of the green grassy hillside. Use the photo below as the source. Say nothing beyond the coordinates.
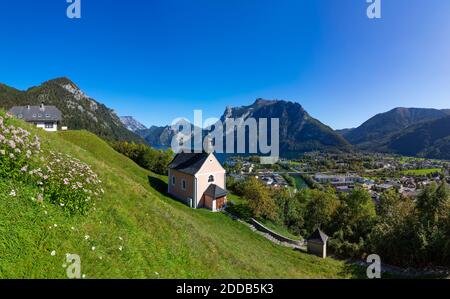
(136, 231)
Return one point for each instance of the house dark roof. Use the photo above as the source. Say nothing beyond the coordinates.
(318, 236)
(36, 113)
(189, 163)
(215, 191)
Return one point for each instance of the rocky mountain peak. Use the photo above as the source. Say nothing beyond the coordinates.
(132, 124)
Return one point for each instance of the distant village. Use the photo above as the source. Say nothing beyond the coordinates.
(376, 173)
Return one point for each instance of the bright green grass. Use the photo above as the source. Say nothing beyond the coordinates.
(280, 229)
(161, 238)
(236, 199)
(421, 171)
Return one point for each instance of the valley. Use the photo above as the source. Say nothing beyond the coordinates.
(344, 179)
(136, 230)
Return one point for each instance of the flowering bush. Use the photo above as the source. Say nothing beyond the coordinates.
(69, 183)
(18, 149)
(62, 179)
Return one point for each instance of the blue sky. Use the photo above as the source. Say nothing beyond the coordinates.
(161, 59)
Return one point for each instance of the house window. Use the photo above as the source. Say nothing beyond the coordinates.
(49, 125)
(183, 184)
(173, 180)
(211, 179)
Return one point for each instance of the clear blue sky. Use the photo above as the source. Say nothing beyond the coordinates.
(160, 59)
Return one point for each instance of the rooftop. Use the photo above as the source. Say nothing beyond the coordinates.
(318, 236)
(36, 113)
(189, 163)
(215, 191)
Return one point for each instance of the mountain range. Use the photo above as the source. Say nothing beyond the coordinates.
(299, 132)
(406, 131)
(429, 139)
(418, 132)
(376, 129)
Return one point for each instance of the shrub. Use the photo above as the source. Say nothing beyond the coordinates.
(70, 183)
(18, 150)
(145, 156)
(62, 179)
(260, 200)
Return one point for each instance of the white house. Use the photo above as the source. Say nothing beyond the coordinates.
(45, 117)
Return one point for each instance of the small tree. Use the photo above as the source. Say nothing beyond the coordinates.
(259, 199)
(320, 209)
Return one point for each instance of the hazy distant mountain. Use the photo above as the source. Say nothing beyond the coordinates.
(79, 111)
(377, 130)
(299, 132)
(161, 137)
(157, 136)
(132, 124)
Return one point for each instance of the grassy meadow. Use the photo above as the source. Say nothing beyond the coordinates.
(421, 172)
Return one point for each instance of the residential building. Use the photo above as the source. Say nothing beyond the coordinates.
(45, 117)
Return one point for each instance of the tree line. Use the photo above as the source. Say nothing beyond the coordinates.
(403, 231)
(145, 156)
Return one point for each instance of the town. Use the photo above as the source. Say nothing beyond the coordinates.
(373, 172)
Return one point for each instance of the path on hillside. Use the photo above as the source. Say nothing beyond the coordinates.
(300, 246)
(388, 269)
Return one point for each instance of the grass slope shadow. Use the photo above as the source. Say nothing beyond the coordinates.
(158, 184)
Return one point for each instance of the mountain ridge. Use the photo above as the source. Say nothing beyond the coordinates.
(429, 140)
(79, 110)
(132, 124)
(299, 132)
(377, 128)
